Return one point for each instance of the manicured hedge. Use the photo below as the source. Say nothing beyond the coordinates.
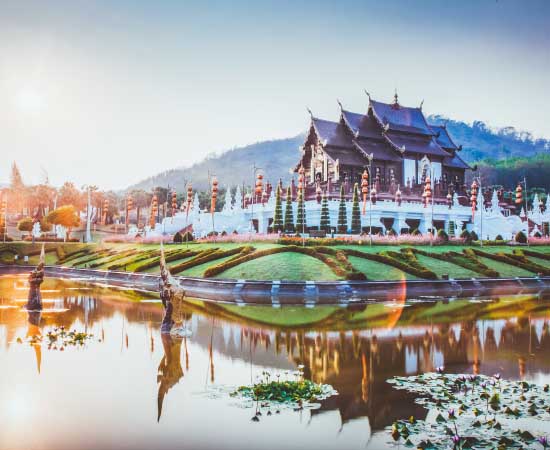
(385, 258)
(514, 260)
(533, 254)
(209, 255)
(114, 258)
(96, 255)
(169, 257)
(138, 258)
(469, 262)
(76, 254)
(328, 256)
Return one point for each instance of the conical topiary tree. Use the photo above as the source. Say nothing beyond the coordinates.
(278, 215)
(342, 213)
(289, 214)
(301, 225)
(355, 211)
(324, 225)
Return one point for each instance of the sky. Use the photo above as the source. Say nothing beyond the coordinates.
(111, 92)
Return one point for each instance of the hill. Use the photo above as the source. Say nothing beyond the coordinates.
(277, 157)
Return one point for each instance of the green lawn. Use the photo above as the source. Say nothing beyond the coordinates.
(440, 267)
(377, 271)
(505, 270)
(282, 266)
(285, 316)
(198, 271)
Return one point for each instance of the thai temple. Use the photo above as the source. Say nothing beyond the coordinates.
(408, 173)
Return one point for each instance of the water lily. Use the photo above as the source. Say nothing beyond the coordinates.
(543, 440)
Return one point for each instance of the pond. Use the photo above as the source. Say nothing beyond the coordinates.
(128, 387)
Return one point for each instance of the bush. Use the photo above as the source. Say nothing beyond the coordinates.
(499, 238)
(416, 232)
(210, 255)
(474, 236)
(516, 260)
(25, 224)
(392, 232)
(520, 238)
(465, 235)
(442, 235)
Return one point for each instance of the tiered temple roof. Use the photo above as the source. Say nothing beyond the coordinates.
(388, 131)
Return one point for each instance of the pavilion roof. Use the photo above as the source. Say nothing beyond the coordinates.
(443, 138)
(415, 144)
(362, 125)
(380, 150)
(331, 133)
(395, 117)
(346, 156)
(456, 162)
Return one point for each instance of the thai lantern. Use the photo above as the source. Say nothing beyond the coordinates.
(365, 189)
(318, 194)
(473, 198)
(154, 211)
(519, 195)
(427, 191)
(301, 173)
(174, 203)
(398, 196)
(373, 195)
(449, 199)
(105, 210)
(189, 199)
(214, 195)
(129, 203)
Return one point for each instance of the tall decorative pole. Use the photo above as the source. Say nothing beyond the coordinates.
(449, 199)
(89, 216)
(473, 198)
(105, 210)
(213, 200)
(398, 199)
(187, 209)
(365, 189)
(301, 205)
(4, 214)
(174, 204)
(129, 207)
(154, 209)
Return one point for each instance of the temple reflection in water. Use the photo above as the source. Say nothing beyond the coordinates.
(355, 350)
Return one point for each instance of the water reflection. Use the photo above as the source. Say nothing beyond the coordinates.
(124, 381)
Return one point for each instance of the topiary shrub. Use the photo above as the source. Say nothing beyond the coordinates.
(465, 235)
(416, 232)
(442, 235)
(474, 236)
(392, 232)
(520, 238)
(499, 238)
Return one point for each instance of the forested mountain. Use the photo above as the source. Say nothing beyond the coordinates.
(277, 157)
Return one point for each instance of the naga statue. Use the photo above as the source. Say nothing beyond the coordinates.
(36, 277)
(172, 296)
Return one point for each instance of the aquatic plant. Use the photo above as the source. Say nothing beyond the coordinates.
(292, 389)
(58, 338)
(473, 411)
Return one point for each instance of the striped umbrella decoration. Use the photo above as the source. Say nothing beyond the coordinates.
(174, 203)
(154, 211)
(373, 194)
(398, 196)
(259, 186)
(427, 192)
(105, 210)
(473, 198)
(365, 189)
(189, 199)
(214, 196)
(519, 195)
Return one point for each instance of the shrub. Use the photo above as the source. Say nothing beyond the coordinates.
(516, 260)
(169, 257)
(210, 255)
(474, 236)
(499, 238)
(465, 235)
(520, 238)
(416, 232)
(25, 224)
(392, 232)
(442, 235)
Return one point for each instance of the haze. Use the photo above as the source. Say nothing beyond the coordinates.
(108, 93)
